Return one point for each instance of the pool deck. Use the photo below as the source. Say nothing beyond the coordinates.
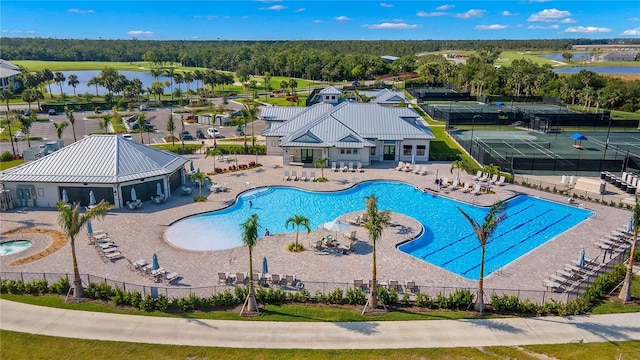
(140, 233)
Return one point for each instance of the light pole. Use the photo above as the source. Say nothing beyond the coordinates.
(473, 121)
(606, 145)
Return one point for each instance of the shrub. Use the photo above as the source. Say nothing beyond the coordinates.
(293, 247)
(99, 291)
(6, 156)
(336, 296)
(355, 296)
(423, 300)
(61, 286)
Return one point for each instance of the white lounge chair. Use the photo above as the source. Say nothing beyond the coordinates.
(294, 176)
(476, 189)
(466, 188)
(408, 167)
(478, 175)
(423, 171)
(350, 236)
(172, 276)
(286, 175)
(500, 181)
(417, 170)
(351, 167)
(333, 166)
(494, 179)
(303, 177)
(400, 166)
(454, 185)
(359, 167)
(342, 168)
(445, 182)
(312, 177)
(485, 177)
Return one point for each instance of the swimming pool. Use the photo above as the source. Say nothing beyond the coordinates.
(447, 241)
(14, 247)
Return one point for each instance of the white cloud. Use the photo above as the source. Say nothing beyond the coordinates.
(491, 27)
(507, 13)
(342, 18)
(16, 31)
(140, 33)
(631, 32)
(445, 7)
(473, 13)
(387, 25)
(317, 21)
(275, 7)
(385, 5)
(244, 17)
(78, 11)
(567, 21)
(587, 29)
(431, 14)
(539, 1)
(634, 19)
(539, 27)
(300, 10)
(549, 15)
(197, 16)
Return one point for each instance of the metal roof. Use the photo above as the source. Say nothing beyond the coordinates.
(96, 159)
(385, 96)
(330, 91)
(279, 113)
(308, 114)
(7, 69)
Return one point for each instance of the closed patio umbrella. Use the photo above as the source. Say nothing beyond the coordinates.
(191, 166)
(133, 195)
(92, 198)
(158, 189)
(89, 227)
(265, 266)
(630, 225)
(155, 265)
(65, 198)
(581, 258)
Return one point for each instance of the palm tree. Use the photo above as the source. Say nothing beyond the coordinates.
(249, 113)
(625, 293)
(140, 121)
(71, 222)
(59, 79)
(60, 128)
(459, 165)
(484, 232)
(321, 163)
(95, 81)
(298, 221)
(46, 76)
(171, 127)
(378, 220)
(72, 120)
(199, 177)
(25, 125)
(213, 152)
(169, 73)
(250, 239)
(73, 82)
(6, 94)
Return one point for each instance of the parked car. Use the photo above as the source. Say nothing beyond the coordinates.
(191, 118)
(186, 136)
(147, 126)
(213, 132)
(26, 112)
(127, 136)
(200, 134)
(143, 107)
(52, 112)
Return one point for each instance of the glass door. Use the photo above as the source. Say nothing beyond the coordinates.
(389, 152)
(306, 155)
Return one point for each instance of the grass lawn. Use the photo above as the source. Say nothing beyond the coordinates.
(16, 345)
(4, 165)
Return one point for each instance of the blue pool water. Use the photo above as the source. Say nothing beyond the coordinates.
(447, 241)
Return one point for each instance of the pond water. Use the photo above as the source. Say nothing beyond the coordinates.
(558, 57)
(622, 70)
(85, 75)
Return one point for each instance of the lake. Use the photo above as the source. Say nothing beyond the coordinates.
(558, 57)
(623, 70)
(85, 75)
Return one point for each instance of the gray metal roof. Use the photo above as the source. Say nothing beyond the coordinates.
(106, 159)
(307, 115)
(280, 113)
(385, 96)
(7, 69)
(330, 91)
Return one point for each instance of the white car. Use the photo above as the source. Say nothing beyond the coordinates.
(127, 136)
(212, 132)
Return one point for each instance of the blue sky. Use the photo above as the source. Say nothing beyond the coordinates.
(320, 20)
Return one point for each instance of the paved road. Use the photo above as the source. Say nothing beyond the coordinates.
(318, 335)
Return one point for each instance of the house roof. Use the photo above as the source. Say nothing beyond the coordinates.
(385, 96)
(7, 69)
(284, 113)
(389, 58)
(351, 125)
(97, 159)
(330, 91)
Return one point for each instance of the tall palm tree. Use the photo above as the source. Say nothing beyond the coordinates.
(213, 152)
(171, 127)
(484, 232)
(199, 177)
(72, 121)
(59, 79)
(625, 292)
(6, 94)
(169, 73)
(95, 81)
(60, 128)
(250, 239)
(71, 222)
(140, 120)
(459, 165)
(73, 82)
(25, 125)
(249, 113)
(298, 221)
(188, 79)
(321, 163)
(46, 76)
(378, 220)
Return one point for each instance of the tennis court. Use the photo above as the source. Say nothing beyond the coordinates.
(526, 152)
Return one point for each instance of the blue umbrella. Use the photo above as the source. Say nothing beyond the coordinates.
(92, 198)
(89, 227)
(630, 224)
(265, 266)
(191, 166)
(578, 137)
(65, 198)
(581, 258)
(198, 171)
(155, 265)
(500, 103)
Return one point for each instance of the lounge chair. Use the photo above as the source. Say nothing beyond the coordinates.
(500, 181)
(400, 166)
(393, 285)
(466, 188)
(317, 245)
(294, 176)
(552, 285)
(454, 185)
(342, 167)
(114, 255)
(355, 221)
(494, 179)
(171, 276)
(239, 279)
(333, 166)
(485, 177)
(313, 176)
(286, 175)
(359, 167)
(476, 189)
(303, 177)
(408, 167)
(275, 279)
(350, 236)
(478, 175)
(417, 169)
(358, 284)
(223, 279)
(423, 171)
(445, 183)
(290, 280)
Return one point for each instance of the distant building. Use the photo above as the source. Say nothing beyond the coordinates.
(617, 55)
(389, 59)
(9, 75)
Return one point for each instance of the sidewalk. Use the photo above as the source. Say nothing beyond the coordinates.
(318, 335)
